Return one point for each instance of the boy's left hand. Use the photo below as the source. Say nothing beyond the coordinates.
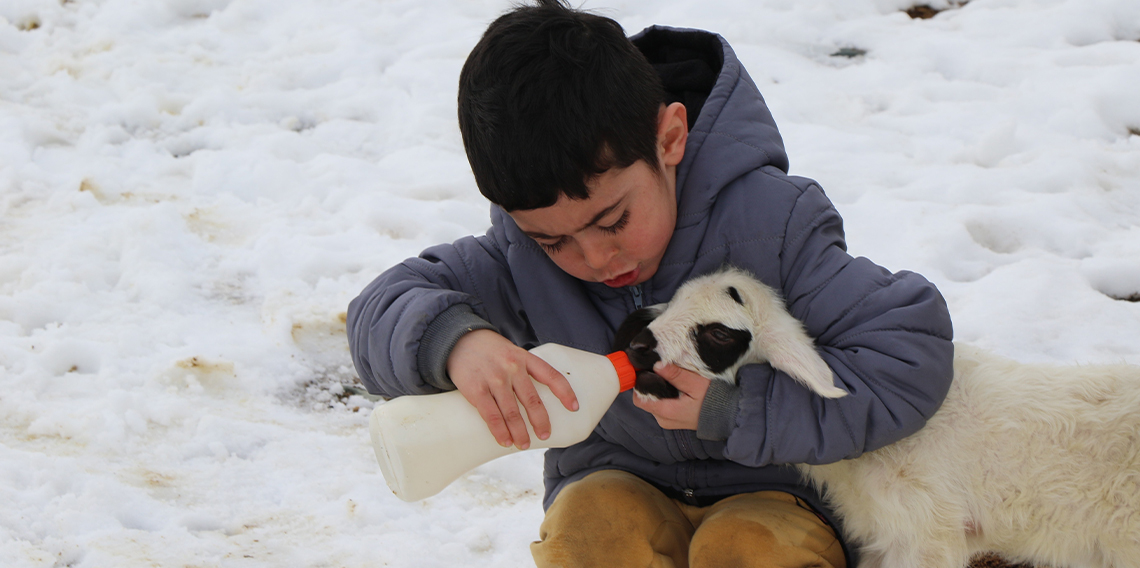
(683, 412)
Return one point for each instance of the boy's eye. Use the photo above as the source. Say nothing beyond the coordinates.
(556, 246)
(617, 226)
(552, 248)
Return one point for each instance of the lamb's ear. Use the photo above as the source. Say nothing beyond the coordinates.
(633, 324)
(790, 350)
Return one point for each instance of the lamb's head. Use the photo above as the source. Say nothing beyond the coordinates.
(714, 325)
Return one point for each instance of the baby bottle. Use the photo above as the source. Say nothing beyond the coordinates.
(423, 443)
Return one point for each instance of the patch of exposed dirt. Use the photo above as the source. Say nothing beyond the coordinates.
(925, 11)
(922, 12)
(994, 561)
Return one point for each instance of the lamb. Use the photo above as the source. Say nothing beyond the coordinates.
(1039, 463)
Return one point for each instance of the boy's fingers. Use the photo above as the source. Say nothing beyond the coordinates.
(657, 407)
(687, 382)
(660, 409)
(509, 407)
(683, 412)
(535, 411)
(488, 409)
(644, 403)
(672, 414)
(549, 376)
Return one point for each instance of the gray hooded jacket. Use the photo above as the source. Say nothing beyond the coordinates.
(886, 336)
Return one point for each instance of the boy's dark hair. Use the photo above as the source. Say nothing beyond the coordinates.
(551, 97)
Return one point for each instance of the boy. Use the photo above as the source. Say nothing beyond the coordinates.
(619, 169)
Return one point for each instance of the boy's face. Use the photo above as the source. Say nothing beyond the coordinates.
(619, 234)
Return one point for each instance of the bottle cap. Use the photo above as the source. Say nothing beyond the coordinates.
(627, 375)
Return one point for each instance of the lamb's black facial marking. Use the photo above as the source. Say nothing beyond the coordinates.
(640, 345)
(735, 295)
(633, 324)
(719, 345)
(642, 351)
(651, 383)
(643, 355)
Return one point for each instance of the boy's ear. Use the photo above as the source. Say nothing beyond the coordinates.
(672, 133)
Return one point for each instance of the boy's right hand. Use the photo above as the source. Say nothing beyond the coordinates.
(495, 375)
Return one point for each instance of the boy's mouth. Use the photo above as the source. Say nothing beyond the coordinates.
(623, 279)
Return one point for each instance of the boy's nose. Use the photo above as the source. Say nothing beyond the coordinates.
(597, 254)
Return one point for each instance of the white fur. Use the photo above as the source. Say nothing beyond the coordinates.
(1039, 463)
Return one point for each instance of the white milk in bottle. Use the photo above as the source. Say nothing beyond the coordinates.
(425, 442)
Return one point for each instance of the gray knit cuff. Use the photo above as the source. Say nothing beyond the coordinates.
(718, 411)
(440, 338)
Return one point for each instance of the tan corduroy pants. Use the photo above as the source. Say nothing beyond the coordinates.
(615, 519)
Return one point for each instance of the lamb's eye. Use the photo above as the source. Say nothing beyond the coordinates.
(720, 334)
(719, 346)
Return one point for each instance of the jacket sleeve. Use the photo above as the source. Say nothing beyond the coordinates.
(887, 338)
(402, 327)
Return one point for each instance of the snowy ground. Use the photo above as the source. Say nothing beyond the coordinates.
(191, 191)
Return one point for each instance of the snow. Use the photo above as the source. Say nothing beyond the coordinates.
(191, 191)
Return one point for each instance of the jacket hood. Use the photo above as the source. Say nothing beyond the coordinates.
(731, 130)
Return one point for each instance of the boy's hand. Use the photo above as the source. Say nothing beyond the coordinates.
(683, 412)
(495, 375)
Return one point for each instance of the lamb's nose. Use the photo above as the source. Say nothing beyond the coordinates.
(642, 350)
(643, 341)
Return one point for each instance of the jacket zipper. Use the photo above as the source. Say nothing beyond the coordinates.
(638, 301)
(688, 468)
